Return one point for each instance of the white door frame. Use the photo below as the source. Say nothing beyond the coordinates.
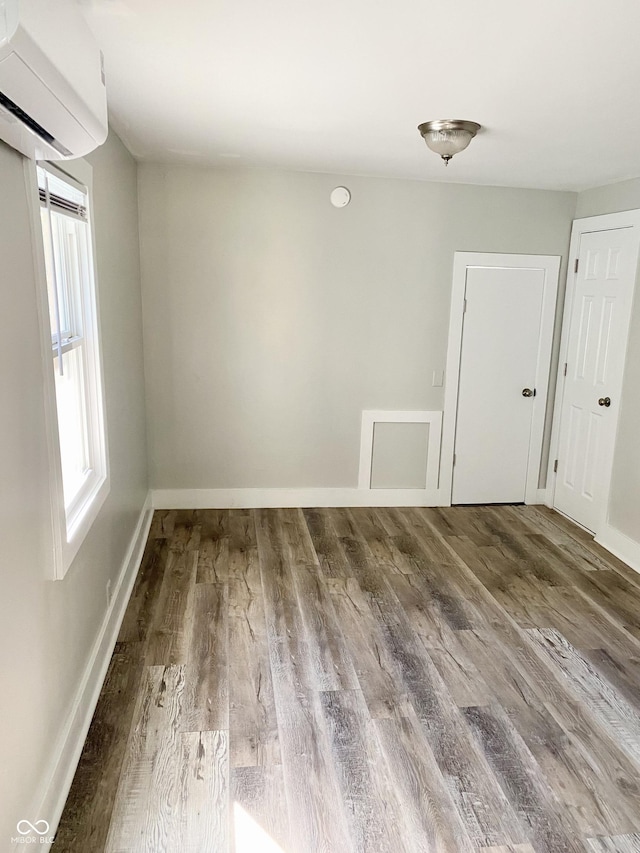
(462, 261)
(605, 222)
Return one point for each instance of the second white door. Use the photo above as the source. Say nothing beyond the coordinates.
(496, 393)
(599, 308)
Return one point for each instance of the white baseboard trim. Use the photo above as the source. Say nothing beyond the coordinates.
(273, 498)
(57, 782)
(620, 545)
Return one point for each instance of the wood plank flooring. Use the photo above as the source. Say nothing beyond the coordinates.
(368, 680)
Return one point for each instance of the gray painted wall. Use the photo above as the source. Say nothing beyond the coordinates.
(272, 319)
(624, 501)
(47, 628)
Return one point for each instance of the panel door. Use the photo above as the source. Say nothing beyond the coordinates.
(499, 357)
(599, 323)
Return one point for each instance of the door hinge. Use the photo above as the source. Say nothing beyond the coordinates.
(575, 267)
(565, 368)
(555, 467)
(454, 458)
(464, 307)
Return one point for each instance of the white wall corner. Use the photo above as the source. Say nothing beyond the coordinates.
(541, 497)
(56, 784)
(620, 545)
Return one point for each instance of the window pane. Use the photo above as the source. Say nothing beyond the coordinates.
(72, 422)
(67, 237)
(48, 260)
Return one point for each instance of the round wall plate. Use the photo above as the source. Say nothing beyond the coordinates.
(340, 197)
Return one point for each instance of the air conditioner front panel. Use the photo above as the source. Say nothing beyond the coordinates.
(52, 95)
(62, 51)
(35, 100)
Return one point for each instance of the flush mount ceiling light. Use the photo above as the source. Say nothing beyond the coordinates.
(448, 136)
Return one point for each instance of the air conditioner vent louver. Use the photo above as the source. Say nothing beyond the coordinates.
(33, 125)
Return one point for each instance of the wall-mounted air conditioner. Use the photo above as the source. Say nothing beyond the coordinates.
(53, 103)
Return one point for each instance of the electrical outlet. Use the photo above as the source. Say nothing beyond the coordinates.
(109, 592)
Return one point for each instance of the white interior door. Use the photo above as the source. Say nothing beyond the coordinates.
(600, 310)
(496, 393)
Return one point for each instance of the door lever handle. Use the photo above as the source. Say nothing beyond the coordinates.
(527, 392)
(604, 401)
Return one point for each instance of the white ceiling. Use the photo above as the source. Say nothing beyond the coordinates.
(341, 85)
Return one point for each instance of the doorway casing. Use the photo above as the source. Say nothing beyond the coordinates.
(550, 265)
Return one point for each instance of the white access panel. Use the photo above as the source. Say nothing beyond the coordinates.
(499, 359)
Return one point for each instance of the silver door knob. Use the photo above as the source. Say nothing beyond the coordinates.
(604, 401)
(527, 392)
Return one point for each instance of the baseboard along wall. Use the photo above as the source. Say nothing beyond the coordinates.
(620, 545)
(56, 784)
(273, 498)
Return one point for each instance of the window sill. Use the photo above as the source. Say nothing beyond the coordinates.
(70, 538)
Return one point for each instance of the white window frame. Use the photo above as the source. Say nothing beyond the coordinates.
(69, 530)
